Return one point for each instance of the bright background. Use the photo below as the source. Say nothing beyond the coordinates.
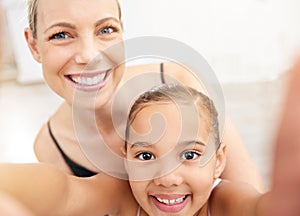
(250, 45)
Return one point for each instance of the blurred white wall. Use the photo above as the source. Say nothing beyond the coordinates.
(243, 40)
(29, 71)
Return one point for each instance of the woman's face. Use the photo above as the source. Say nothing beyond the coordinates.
(185, 188)
(71, 42)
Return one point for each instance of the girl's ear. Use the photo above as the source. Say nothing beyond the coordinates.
(123, 150)
(220, 160)
(31, 43)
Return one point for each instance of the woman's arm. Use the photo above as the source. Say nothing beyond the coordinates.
(239, 166)
(45, 190)
(39, 187)
(283, 198)
(9, 206)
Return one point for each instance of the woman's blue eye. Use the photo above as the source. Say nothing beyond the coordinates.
(190, 155)
(107, 30)
(60, 35)
(145, 156)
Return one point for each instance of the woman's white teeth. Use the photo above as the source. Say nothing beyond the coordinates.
(89, 80)
(172, 201)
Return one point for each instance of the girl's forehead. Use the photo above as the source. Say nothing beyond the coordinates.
(170, 119)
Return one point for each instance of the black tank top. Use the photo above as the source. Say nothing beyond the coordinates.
(77, 169)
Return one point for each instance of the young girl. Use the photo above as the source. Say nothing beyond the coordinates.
(179, 162)
(180, 157)
(65, 36)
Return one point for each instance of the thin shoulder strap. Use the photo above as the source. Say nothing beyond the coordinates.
(216, 182)
(55, 141)
(162, 76)
(138, 211)
(76, 169)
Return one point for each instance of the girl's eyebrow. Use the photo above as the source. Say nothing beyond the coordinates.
(193, 142)
(147, 144)
(139, 144)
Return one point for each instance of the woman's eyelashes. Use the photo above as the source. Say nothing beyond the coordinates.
(105, 31)
(110, 29)
(60, 36)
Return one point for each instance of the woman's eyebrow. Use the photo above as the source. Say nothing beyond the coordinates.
(60, 24)
(100, 22)
(69, 25)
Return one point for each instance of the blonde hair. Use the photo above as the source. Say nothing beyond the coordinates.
(32, 14)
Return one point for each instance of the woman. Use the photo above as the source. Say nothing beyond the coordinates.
(65, 36)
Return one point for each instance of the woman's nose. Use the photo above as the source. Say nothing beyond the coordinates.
(87, 51)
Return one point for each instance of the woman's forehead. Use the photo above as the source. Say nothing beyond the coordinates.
(72, 9)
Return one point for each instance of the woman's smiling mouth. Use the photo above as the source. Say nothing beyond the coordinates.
(88, 81)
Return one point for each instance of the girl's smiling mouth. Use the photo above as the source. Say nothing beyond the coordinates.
(170, 205)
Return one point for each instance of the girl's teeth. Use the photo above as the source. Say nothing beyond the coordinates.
(170, 202)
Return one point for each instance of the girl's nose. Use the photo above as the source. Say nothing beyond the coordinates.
(169, 180)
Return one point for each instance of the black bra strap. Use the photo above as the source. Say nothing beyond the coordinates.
(76, 169)
(162, 73)
(55, 141)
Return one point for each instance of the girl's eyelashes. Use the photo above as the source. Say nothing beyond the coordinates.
(190, 155)
(145, 156)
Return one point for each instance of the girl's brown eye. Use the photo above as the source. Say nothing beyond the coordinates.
(145, 156)
(190, 155)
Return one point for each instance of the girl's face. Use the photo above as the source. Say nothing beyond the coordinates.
(71, 38)
(181, 191)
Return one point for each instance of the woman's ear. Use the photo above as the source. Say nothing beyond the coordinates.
(220, 160)
(31, 43)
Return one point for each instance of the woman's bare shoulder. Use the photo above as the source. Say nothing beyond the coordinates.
(44, 146)
(171, 70)
(234, 198)
(134, 70)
